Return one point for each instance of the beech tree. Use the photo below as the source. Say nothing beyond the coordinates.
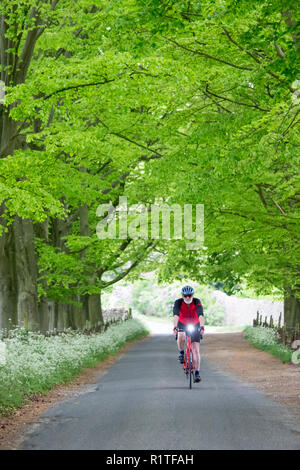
(177, 101)
(240, 126)
(65, 146)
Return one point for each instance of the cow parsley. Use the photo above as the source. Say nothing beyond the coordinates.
(35, 363)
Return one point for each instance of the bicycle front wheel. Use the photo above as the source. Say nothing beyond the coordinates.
(190, 369)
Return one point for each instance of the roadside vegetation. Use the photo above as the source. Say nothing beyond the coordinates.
(35, 363)
(266, 339)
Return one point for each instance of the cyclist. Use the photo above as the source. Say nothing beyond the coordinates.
(189, 310)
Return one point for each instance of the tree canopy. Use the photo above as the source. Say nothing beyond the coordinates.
(186, 102)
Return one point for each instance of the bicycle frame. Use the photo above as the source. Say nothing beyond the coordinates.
(188, 359)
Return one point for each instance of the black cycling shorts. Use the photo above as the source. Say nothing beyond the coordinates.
(195, 338)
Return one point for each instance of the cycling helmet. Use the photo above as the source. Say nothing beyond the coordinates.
(187, 290)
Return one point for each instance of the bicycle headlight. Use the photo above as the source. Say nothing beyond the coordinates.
(190, 328)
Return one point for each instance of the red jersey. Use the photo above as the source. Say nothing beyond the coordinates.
(188, 313)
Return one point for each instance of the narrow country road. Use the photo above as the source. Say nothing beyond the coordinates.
(143, 402)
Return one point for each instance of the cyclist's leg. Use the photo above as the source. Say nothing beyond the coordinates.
(196, 347)
(181, 336)
(181, 340)
(196, 355)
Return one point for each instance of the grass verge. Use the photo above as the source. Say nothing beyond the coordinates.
(265, 339)
(35, 363)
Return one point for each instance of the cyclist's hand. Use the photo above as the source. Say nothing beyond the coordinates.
(201, 329)
(175, 331)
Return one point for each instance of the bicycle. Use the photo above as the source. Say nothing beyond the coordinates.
(188, 355)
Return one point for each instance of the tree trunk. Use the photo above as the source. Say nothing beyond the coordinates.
(85, 232)
(18, 261)
(9, 127)
(291, 310)
(91, 303)
(8, 283)
(63, 312)
(95, 311)
(18, 276)
(26, 274)
(41, 230)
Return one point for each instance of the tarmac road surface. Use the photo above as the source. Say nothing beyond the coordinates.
(143, 402)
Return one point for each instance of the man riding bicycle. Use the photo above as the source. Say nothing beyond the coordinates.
(188, 310)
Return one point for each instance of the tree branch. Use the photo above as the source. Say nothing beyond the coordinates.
(279, 51)
(137, 144)
(278, 207)
(72, 87)
(217, 103)
(127, 271)
(291, 123)
(236, 102)
(28, 48)
(262, 198)
(274, 75)
(203, 54)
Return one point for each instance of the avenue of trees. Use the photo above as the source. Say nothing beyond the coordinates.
(181, 101)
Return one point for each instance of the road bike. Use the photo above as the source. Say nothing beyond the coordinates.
(188, 355)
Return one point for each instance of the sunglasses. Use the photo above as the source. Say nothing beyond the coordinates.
(186, 295)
